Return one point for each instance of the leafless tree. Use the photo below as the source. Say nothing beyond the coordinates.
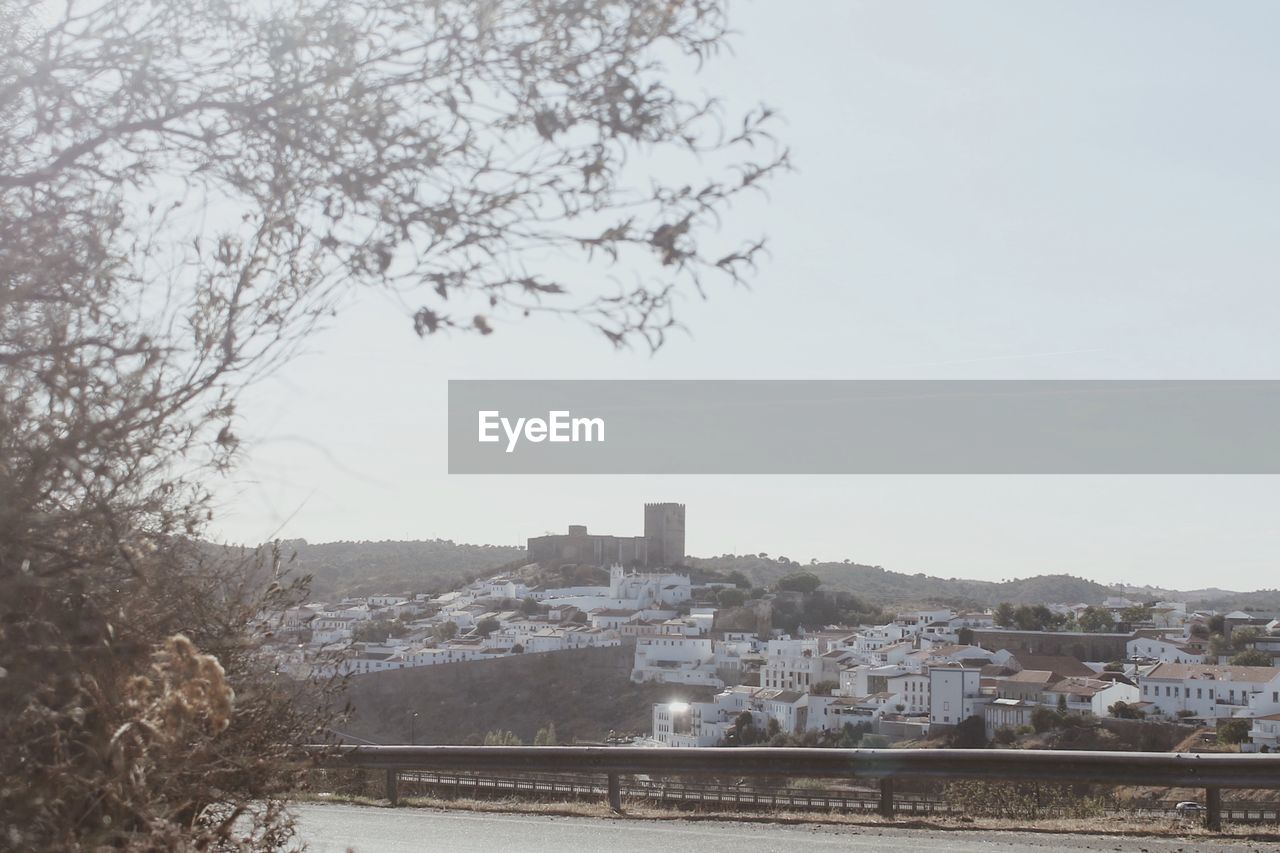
(187, 187)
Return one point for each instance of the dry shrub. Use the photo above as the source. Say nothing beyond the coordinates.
(188, 188)
(1024, 800)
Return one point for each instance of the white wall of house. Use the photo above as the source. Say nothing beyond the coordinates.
(791, 665)
(1207, 691)
(913, 690)
(1007, 714)
(1161, 650)
(675, 660)
(955, 694)
(1264, 733)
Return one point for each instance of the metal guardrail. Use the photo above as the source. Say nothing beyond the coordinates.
(673, 792)
(1213, 772)
(741, 796)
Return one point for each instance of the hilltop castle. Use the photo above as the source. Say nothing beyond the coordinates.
(662, 544)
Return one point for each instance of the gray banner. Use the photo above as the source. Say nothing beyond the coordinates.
(864, 427)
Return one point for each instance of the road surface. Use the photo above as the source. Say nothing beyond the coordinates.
(336, 828)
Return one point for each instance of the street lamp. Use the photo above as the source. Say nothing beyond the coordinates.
(413, 738)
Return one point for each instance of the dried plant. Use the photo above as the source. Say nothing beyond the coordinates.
(186, 190)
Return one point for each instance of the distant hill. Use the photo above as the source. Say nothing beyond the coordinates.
(366, 568)
(1212, 598)
(884, 587)
(585, 692)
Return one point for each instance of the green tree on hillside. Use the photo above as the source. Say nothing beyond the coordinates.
(1233, 731)
(1251, 657)
(1242, 638)
(799, 582)
(731, 598)
(969, 733)
(1096, 620)
(1035, 618)
(1136, 614)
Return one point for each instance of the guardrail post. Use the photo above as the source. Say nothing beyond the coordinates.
(1213, 799)
(393, 787)
(615, 793)
(886, 797)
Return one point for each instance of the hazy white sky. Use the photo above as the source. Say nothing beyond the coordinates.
(984, 190)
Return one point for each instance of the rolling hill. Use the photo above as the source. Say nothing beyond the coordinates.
(366, 567)
(586, 693)
(883, 587)
(341, 569)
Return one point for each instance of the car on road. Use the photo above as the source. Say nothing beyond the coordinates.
(1189, 807)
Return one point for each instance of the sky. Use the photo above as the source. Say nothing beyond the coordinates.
(982, 191)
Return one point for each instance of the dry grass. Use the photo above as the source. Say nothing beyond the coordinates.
(1118, 826)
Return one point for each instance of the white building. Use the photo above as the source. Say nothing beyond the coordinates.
(604, 617)
(831, 713)
(626, 591)
(907, 687)
(675, 660)
(1090, 695)
(915, 621)
(955, 694)
(790, 708)
(503, 587)
(1168, 651)
(878, 637)
(702, 724)
(1264, 734)
(1208, 691)
(329, 629)
(1007, 714)
(791, 665)
(447, 653)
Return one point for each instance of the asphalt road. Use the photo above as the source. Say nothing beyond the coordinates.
(338, 828)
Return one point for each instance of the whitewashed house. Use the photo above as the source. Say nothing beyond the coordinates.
(791, 665)
(1264, 734)
(1168, 651)
(1205, 690)
(675, 660)
(1090, 695)
(955, 694)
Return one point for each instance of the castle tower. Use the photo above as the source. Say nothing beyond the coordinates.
(664, 534)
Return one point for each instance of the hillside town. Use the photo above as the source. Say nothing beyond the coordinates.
(922, 673)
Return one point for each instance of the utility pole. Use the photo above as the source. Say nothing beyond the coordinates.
(413, 737)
